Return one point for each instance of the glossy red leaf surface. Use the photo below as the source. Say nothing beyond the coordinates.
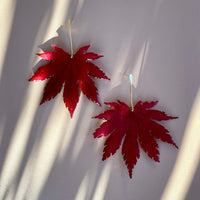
(74, 74)
(131, 128)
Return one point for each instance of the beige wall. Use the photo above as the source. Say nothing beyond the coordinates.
(46, 155)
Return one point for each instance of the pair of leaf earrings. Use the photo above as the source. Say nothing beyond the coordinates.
(128, 125)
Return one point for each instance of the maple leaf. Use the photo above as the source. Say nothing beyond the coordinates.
(133, 128)
(73, 72)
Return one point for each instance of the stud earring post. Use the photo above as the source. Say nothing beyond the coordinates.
(131, 90)
(70, 37)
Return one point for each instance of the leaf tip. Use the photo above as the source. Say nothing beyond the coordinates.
(38, 54)
(42, 102)
(130, 173)
(175, 145)
(30, 79)
(106, 77)
(103, 158)
(71, 110)
(71, 115)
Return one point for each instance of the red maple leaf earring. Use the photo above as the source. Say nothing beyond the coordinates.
(133, 125)
(71, 71)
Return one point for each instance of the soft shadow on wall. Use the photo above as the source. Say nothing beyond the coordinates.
(27, 156)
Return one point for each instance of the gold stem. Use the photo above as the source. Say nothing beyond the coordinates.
(131, 90)
(70, 37)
